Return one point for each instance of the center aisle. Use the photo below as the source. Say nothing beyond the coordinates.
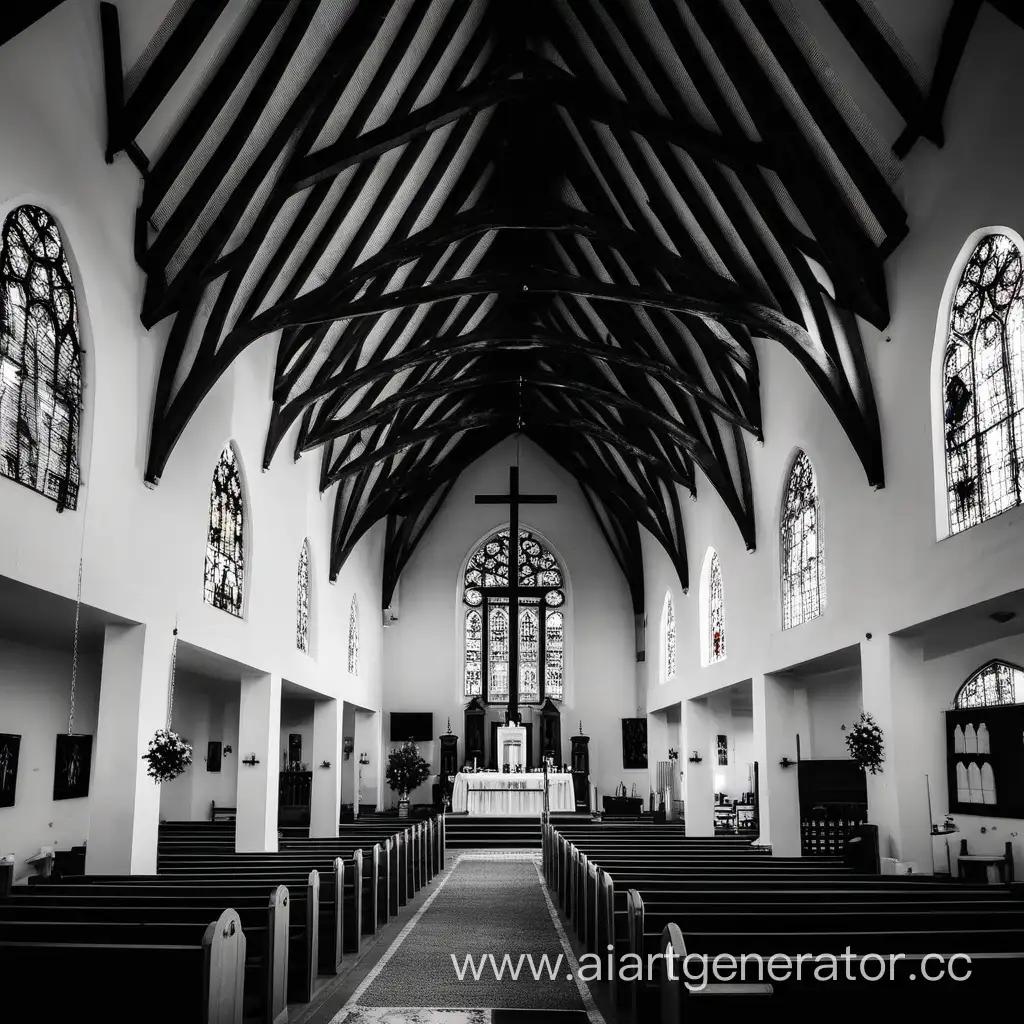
(488, 904)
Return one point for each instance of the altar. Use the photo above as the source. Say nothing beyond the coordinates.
(513, 794)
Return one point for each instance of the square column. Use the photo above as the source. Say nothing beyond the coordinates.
(698, 779)
(259, 733)
(897, 695)
(124, 805)
(780, 713)
(325, 811)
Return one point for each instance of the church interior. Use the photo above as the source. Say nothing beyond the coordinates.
(511, 478)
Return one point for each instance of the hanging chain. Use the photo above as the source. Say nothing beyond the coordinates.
(74, 654)
(174, 662)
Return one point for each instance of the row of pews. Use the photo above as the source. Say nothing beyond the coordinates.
(812, 930)
(215, 937)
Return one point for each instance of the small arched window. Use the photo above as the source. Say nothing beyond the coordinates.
(353, 637)
(668, 640)
(541, 594)
(225, 541)
(993, 684)
(302, 601)
(714, 603)
(802, 546)
(40, 358)
(983, 386)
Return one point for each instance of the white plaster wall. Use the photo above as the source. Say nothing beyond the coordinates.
(833, 700)
(885, 568)
(34, 692)
(204, 710)
(144, 549)
(423, 652)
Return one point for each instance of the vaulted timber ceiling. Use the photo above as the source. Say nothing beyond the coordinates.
(464, 219)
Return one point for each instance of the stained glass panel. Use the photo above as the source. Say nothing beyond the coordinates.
(225, 542)
(803, 556)
(487, 639)
(554, 626)
(529, 655)
(353, 637)
(302, 601)
(497, 654)
(40, 358)
(983, 386)
(474, 684)
(670, 638)
(716, 611)
(994, 683)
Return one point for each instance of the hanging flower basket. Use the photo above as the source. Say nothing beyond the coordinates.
(864, 742)
(168, 756)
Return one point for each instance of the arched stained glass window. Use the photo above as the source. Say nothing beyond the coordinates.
(40, 358)
(668, 634)
(716, 611)
(983, 386)
(803, 553)
(541, 595)
(993, 684)
(302, 601)
(353, 637)
(225, 541)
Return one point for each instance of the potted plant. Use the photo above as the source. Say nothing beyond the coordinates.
(406, 771)
(864, 742)
(168, 756)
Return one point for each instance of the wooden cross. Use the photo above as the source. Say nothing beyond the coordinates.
(514, 499)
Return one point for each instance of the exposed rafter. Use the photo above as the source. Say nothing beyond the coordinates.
(462, 219)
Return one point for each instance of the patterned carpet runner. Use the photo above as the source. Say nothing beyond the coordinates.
(491, 922)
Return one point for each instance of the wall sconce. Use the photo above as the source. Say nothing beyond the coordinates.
(251, 759)
(363, 759)
(786, 763)
(227, 749)
(325, 764)
(696, 759)
(347, 746)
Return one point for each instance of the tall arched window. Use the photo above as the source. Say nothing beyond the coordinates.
(993, 684)
(40, 358)
(353, 637)
(983, 386)
(713, 600)
(225, 541)
(803, 551)
(302, 601)
(668, 640)
(541, 621)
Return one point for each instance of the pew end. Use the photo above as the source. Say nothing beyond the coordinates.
(224, 969)
(675, 994)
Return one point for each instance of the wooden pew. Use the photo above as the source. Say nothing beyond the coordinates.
(817, 930)
(304, 907)
(208, 971)
(360, 887)
(269, 935)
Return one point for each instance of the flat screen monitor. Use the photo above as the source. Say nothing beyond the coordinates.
(414, 725)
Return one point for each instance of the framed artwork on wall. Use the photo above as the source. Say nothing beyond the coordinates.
(294, 750)
(10, 746)
(723, 750)
(634, 743)
(213, 754)
(72, 765)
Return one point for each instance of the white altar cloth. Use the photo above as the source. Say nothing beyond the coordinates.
(515, 794)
